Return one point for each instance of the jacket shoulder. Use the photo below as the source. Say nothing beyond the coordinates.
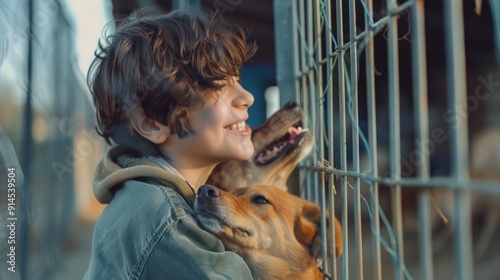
(130, 226)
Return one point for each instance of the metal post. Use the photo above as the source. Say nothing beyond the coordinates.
(311, 89)
(372, 136)
(358, 237)
(316, 95)
(457, 106)
(27, 151)
(395, 134)
(285, 38)
(343, 141)
(419, 61)
(330, 104)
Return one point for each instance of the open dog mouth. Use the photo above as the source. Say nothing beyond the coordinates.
(288, 142)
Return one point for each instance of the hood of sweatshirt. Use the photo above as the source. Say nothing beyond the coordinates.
(121, 164)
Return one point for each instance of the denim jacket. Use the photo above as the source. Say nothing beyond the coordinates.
(148, 230)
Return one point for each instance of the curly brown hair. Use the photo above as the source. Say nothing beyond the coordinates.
(167, 65)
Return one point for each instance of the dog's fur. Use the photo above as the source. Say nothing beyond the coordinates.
(235, 174)
(271, 229)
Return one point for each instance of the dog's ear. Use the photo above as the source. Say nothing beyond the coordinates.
(308, 231)
(307, 225)
(317, 244)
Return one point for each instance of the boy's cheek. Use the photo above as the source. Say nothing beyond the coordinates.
(211, 116)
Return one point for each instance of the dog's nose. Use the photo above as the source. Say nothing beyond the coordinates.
(208, 191)
(290, 105)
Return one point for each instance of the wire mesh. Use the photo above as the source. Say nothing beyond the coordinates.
(329, 43)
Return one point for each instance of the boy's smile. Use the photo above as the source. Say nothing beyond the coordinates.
(239, 126)
(237, 142)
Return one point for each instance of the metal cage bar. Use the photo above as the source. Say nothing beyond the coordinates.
(325, 79)
(395, 134)
(372, 140)
(353, 106)
(419, 61)
(316, 88)
(343, 140)
(457, 99)
(330, 102)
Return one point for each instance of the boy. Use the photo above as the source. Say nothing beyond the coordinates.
(166, 90)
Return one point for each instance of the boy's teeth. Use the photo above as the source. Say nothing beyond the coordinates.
(240, 126)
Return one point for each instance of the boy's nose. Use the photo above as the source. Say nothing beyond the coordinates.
(208, 192)
(244, 99)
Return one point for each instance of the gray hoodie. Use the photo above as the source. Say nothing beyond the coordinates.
(148, 230)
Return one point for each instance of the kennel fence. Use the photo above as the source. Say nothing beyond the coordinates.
(320, 46)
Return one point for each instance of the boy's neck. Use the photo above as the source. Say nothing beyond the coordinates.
(195, 174)
(196, 177)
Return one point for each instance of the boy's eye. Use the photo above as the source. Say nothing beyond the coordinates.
(259, 199)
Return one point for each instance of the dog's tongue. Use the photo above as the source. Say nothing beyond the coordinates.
(293, 132)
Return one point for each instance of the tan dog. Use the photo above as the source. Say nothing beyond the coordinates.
(271, 229)
(280, 143)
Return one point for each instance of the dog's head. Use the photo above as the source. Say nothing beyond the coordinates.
(261, 220)
(280, 143)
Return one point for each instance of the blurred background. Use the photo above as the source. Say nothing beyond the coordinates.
(47, 121)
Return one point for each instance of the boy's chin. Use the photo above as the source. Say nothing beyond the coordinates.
(244, 153)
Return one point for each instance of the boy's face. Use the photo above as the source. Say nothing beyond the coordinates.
(220, 129)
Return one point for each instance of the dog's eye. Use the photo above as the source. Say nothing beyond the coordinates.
(259, 199)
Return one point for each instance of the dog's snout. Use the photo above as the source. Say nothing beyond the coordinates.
(290, 105)
(207, 191)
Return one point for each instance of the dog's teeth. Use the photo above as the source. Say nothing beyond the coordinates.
(276, 148)
(299, 128)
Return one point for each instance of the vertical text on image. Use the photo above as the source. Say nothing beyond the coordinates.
(11, 219)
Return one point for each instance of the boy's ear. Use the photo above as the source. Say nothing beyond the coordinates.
(147, 128)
